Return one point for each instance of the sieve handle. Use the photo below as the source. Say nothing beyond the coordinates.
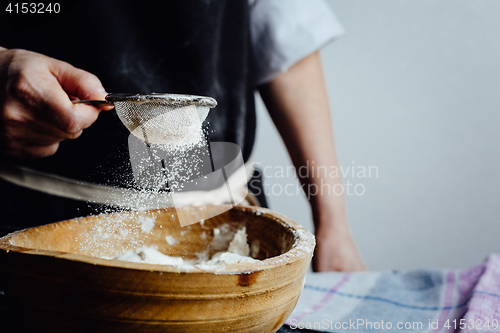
(92, 102)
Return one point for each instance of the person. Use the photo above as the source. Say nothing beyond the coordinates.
(224, 49)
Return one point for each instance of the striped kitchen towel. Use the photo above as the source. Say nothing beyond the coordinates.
(427, 300)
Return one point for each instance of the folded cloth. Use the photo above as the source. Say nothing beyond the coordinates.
(427, 300)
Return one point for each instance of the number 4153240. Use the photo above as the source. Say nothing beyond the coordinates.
(477, 324)
(33, 8)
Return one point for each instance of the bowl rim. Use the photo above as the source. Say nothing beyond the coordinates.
(302, 248)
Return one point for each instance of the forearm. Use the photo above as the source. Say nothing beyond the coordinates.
(298, 104)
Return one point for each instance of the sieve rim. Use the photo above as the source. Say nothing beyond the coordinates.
(171, 99)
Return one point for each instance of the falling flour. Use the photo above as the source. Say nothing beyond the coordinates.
(238, 251)
(147, 224)
(168, 152)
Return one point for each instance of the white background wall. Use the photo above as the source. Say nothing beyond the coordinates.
(414, 89)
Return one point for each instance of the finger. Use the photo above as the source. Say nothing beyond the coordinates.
(44, 129)
(66, 116)
(33, 138)
(21, 120)
(41, 94)
(39, 151)
(79, 83)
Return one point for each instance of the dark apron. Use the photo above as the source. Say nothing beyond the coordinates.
(185, 46)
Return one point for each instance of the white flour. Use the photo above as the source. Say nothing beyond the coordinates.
(177, 128)
(150, 255)
(237, 252)
(239, 243)
(147, 224)
(171, 240)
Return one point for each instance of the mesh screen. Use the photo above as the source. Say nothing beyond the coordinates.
(162, 123)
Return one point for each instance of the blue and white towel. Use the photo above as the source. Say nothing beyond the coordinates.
(430, 300)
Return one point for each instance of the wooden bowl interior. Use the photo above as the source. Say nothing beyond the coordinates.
(107, 236)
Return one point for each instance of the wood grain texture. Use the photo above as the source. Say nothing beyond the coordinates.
(56, 282)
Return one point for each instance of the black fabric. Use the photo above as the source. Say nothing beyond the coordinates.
(256, 187)
(183, 46)
(24, 208)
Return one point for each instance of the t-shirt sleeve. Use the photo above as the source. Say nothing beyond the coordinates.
(286, 31)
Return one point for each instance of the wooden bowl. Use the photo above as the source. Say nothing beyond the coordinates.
(56, 282)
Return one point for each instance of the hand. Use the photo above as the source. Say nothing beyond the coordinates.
(335, 250)
(36, 112)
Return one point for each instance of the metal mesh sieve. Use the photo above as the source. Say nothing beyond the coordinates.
(162, 118)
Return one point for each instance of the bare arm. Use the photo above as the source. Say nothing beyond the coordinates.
(298, 104)
(35, 110)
